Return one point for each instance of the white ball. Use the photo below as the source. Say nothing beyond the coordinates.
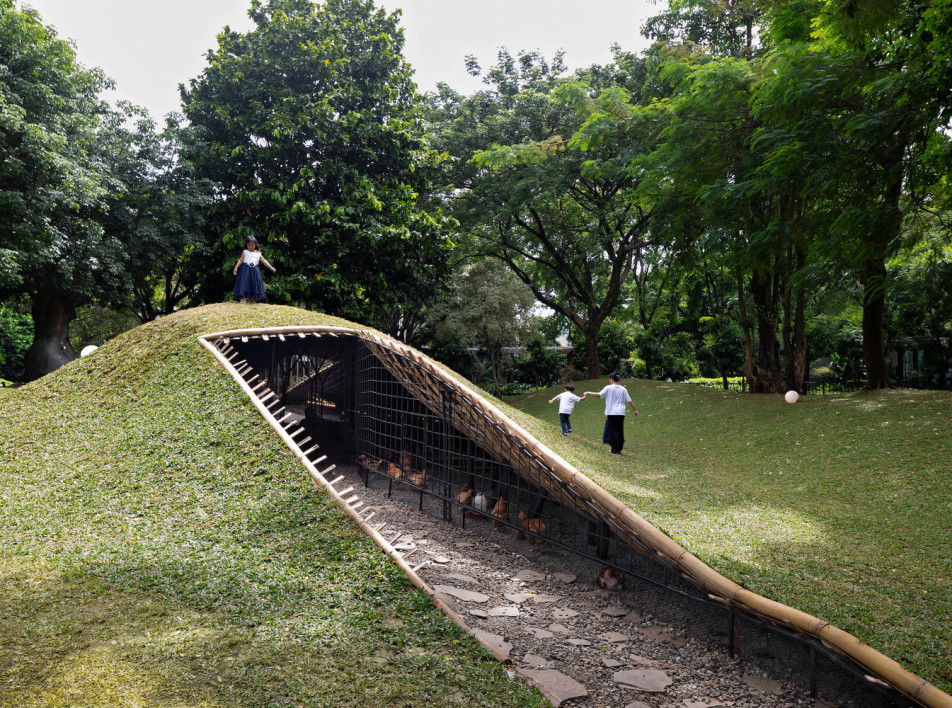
(88, 350)
(792, 396)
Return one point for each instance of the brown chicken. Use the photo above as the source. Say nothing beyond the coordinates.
(406, 461)
(535, 526)
(466, 495)
(417, 478)
(610, 578)
(394, 471)
(500, 510)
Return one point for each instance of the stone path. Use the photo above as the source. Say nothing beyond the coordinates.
(582, 646)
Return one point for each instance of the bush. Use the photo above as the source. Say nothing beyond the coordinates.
(16, 335)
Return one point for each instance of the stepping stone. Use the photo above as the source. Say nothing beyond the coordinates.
(705, 703)
(419, 533)
(462, 578)
(565, 577)
(634, 618)
(659, 634)
(504, 612)
(404, 545)
(544, 599)
(460, 594)
(579, 642)
(482, 614)
(540, 633)
(535, 661)
(764, 685)
(564, 614)
(517, 597)
(528, 576)
(555, 686)
(615, 612)
(494, 640)
(394, 622)
(559, 629)
(614, 637)
(637, 704)
(611, 663)
(641, 660)
(405, 538)
(650, 680)
(439, 559)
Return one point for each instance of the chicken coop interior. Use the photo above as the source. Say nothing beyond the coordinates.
(359, 402)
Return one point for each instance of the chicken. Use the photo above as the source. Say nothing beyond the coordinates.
(610, 578)
(466, 495)
(500, 510)
(394, 471)
(417, 478)
(535, 526)
(406, 461)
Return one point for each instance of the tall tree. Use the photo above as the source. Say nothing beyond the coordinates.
(562, 220)
(488, 307)
(308, 125)
(54, 172)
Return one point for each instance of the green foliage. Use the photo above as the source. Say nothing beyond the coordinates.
(16, 334)
(96, 325)
(308, 123)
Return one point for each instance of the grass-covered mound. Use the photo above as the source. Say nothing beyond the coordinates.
(840, 506)
(160, 546)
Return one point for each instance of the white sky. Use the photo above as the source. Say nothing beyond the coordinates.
(149, 47)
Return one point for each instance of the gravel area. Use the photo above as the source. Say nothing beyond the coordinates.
(582, 645)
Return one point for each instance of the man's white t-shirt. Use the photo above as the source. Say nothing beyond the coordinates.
(616, 397)
(567, 401)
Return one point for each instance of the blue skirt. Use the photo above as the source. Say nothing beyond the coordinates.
(249, 283)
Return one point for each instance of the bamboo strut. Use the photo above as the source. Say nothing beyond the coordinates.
(392, 353)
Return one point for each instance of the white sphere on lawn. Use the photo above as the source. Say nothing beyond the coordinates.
(791, 397)
(87, 350)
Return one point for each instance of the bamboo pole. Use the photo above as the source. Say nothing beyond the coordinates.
(668, 551)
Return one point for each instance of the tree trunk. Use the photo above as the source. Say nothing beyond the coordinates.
(750, 368)
(52, 313)
(765, 301)
(874, 345)
(591, 353)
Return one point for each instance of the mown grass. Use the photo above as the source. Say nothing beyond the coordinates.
(840, 506)
(160, 546)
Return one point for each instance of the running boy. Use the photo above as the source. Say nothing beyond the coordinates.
(567, 401)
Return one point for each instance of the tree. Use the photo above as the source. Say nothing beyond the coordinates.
(53, 176)
(561, 220)
(488, 307)
(158, 206)
(308, 125)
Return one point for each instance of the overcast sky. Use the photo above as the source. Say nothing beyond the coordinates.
(149, 47)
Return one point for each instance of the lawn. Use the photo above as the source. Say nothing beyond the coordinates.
(160, 546)
(840, 506)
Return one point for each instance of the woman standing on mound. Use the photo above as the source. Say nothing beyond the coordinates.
(249, 284)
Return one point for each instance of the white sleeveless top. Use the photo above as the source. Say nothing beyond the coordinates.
(251, 258)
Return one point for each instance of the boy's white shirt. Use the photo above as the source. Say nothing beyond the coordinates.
(567, 401)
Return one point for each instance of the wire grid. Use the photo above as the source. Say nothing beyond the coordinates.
(421, 433)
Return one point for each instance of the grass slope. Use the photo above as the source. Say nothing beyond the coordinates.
(160, 546)
(840, 506)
